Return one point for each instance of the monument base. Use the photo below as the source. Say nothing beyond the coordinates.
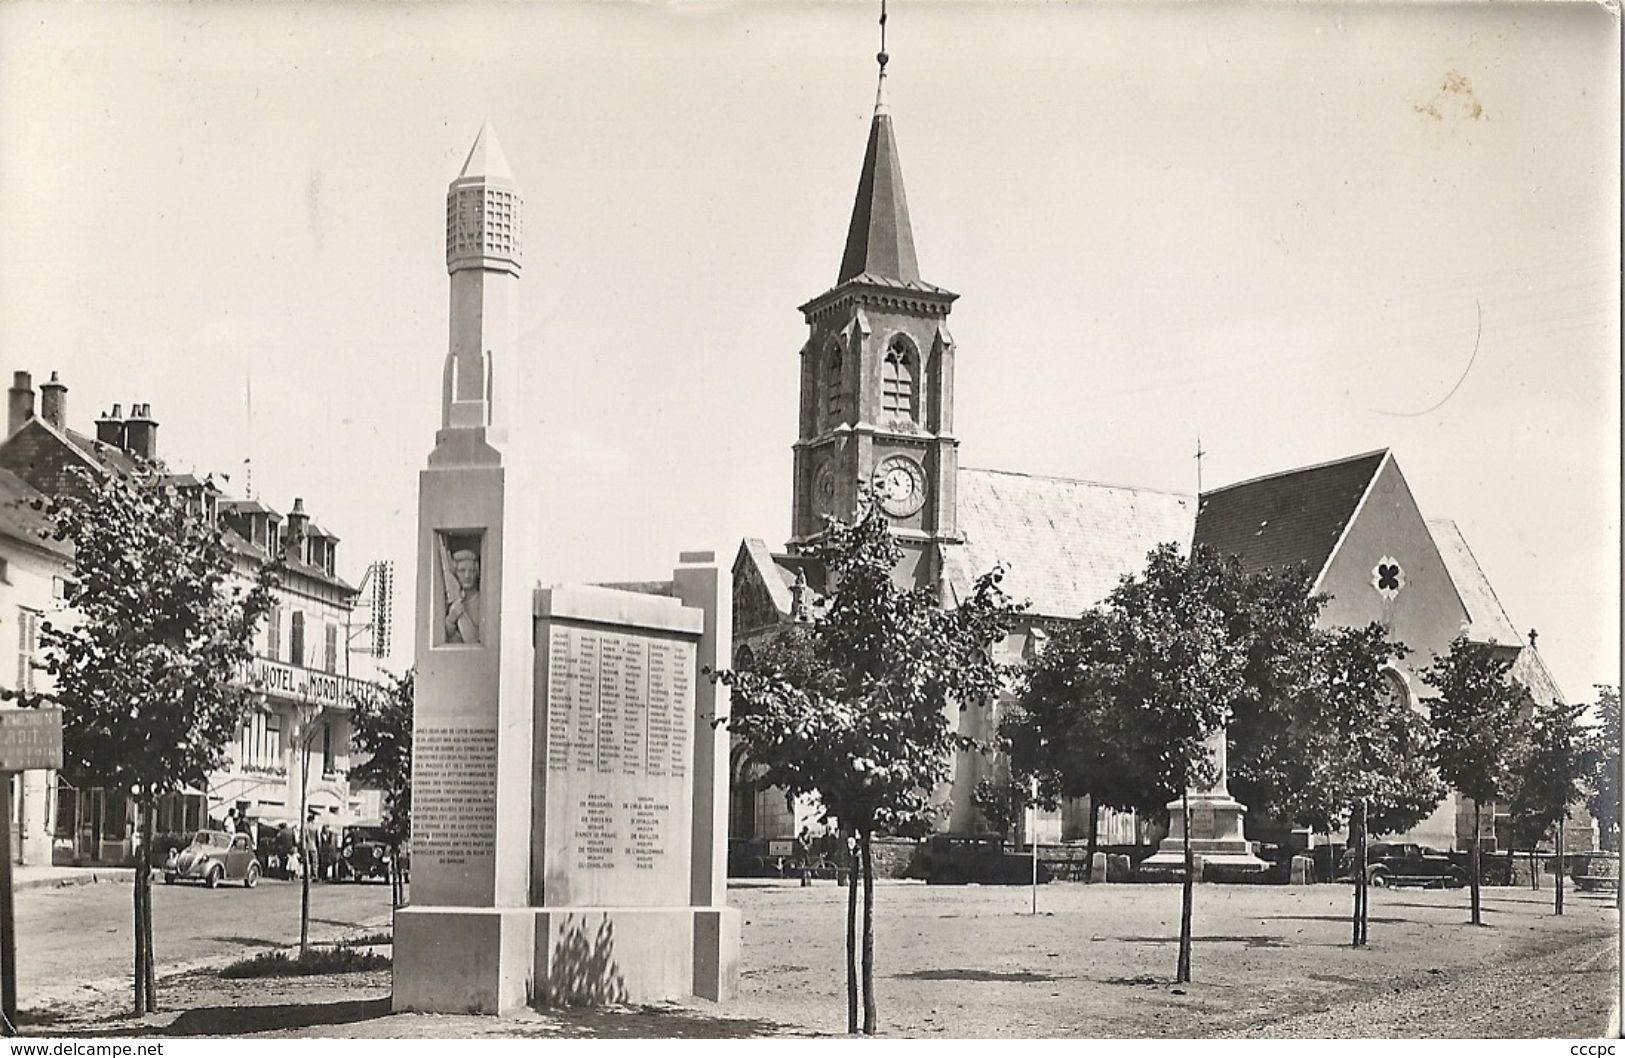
(463, 960)
(472, 960)
(592, 956)
(1217, 836)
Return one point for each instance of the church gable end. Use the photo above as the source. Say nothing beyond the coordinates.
(1388, 570)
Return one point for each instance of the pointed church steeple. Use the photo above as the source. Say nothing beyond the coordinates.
(877, 377)
(880, 240)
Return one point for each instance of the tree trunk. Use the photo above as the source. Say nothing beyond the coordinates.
(1187, 894)
(1358, 862)
(139, 892)
(1558, 892)
(1094, 840)
(852, 938)
(1365, 879)
(148, 827)
(1477, 918)
(304, 860)
(868, 936)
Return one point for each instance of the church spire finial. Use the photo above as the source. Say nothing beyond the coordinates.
(882, 58)
(880, 242)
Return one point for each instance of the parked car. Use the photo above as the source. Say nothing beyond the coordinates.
(1402, 863)
(1596, 870)
(363, 854)
(214, 856)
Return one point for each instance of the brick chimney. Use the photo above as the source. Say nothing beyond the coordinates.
(141, 432)
(293, 536)
(20, 405)
(53, 402)
(110, 427)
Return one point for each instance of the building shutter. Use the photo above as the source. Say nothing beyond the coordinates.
(332, 648)
(27, 646)
(273, 633)
(296, 639)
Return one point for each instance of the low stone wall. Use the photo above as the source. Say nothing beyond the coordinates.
(895, 857)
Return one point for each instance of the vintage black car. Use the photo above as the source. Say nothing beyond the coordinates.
(214, 856)
(1403, 863)
(363, 853)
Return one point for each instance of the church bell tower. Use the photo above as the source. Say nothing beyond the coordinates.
(877, 376)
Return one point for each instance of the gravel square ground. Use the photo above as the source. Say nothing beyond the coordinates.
(1096, 961)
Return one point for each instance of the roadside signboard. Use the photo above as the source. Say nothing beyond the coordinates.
(30, 739)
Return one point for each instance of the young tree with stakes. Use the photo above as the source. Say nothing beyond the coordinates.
(1478, 718)
(383, 731)
(1604, 738)
(1549, 770)
(859, 708)
(149, 670)
(1360, 754)
(1175, 670)
(1070, 734)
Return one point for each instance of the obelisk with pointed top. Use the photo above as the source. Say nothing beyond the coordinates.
(467, 941)
(483, 245)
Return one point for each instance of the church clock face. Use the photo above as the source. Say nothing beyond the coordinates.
(900, 486)
(823, 491)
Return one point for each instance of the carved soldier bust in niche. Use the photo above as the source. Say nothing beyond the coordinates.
(460, 587)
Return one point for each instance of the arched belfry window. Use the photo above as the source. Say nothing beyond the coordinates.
(832, 387)
(899, 375)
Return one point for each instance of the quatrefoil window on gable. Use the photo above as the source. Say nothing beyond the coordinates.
(1388, 577)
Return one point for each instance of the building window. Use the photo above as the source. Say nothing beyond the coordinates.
(273, 633)
(897, 379)
(327, 751)
(832, 387)
(273, 739)
(27, 647)
(332, 645)
(296, 639)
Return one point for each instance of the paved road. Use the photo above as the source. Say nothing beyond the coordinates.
(73, 940)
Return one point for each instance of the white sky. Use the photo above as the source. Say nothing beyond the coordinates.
(1270, 225)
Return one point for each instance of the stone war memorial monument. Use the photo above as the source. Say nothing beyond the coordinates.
(569, 787)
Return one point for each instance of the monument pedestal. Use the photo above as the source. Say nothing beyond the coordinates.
(1217, 834)
(469, 960)
(590, 956)
(500, 960)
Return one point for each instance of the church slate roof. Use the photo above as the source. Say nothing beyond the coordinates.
(1287, 518)
(1065, 544)
(1487, 621)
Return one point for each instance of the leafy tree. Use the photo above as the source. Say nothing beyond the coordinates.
(1173, 671)
(1478, 718)
(1069, 732)
(1273, 613)
(1603, 801)
(1362, 756)
(859, 708)
(1001, 803)
(148, 672)
(1548, 770)
(383, 731)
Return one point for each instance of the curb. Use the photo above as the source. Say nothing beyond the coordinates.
(68, 881)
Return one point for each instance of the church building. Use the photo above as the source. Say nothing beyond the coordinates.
(877, 407)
